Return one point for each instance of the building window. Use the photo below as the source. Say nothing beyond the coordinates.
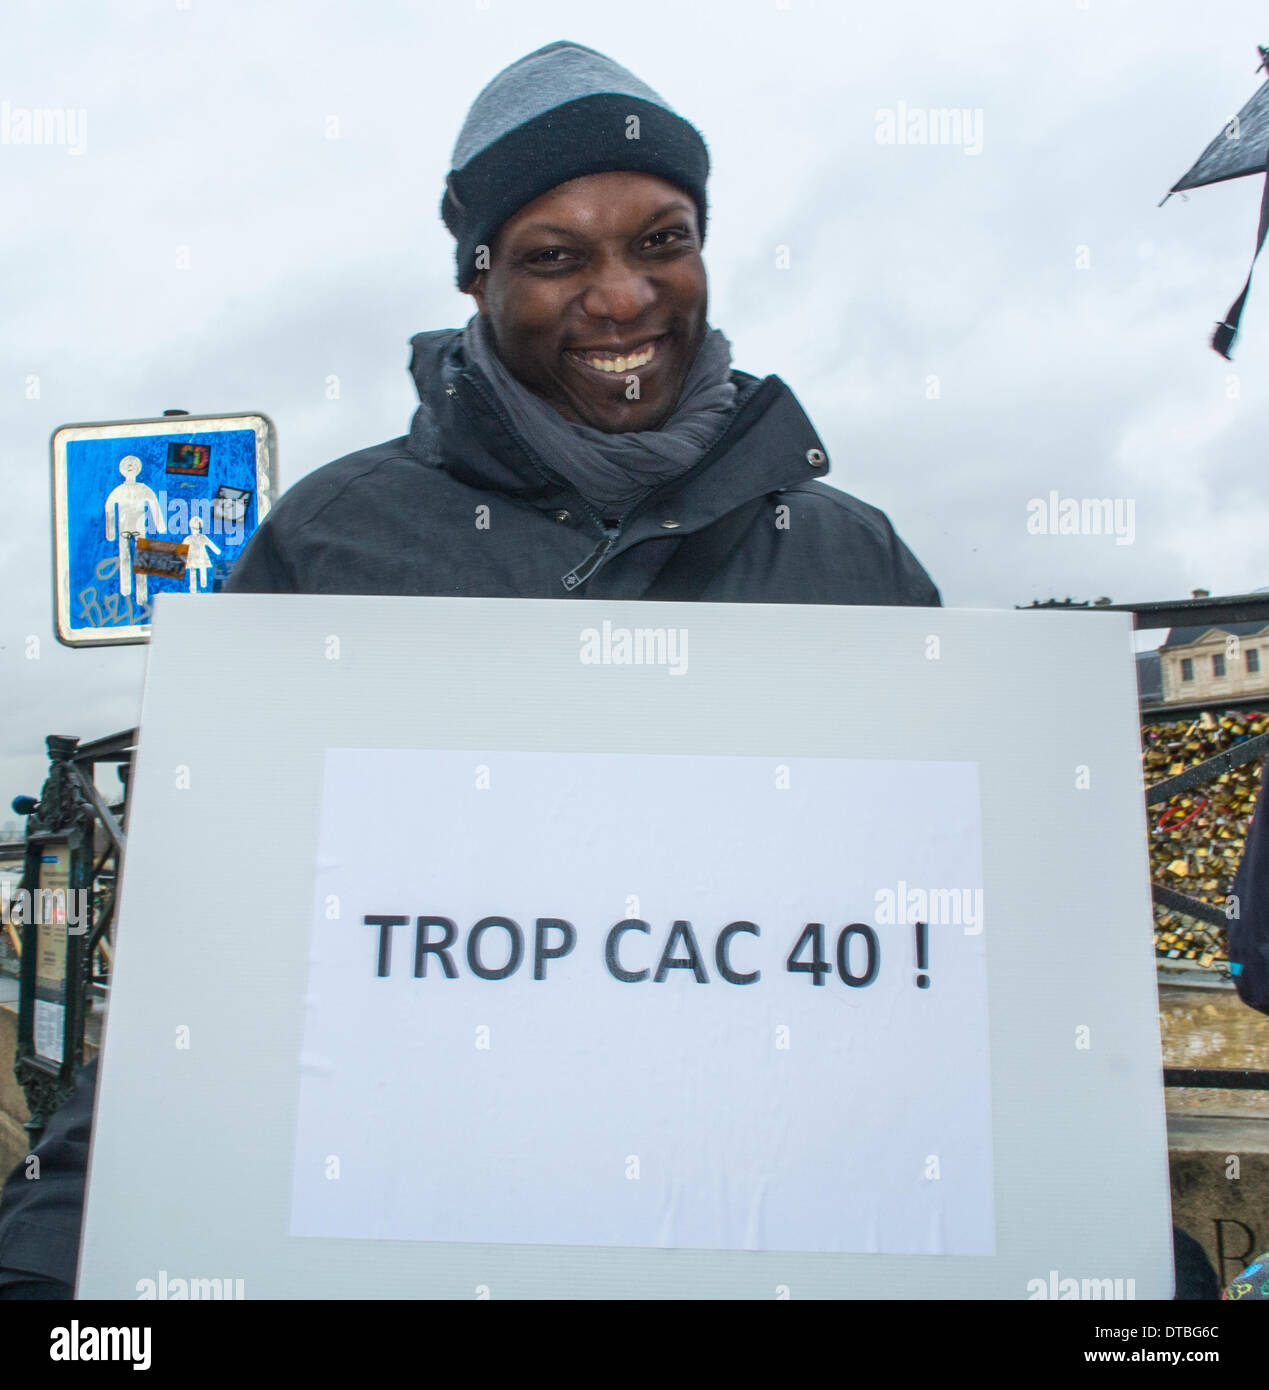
(1187, 668)
(1218, 665)
(1253, 659)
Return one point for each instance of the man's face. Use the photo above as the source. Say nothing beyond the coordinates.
(604, 269)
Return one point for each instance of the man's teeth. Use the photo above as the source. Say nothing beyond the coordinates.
(623, 364)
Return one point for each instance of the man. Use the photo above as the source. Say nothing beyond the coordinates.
(1249, 927)
(583, 436)
(585, 428)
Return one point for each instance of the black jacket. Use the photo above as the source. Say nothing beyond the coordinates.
(460, 506)
(40, 1217)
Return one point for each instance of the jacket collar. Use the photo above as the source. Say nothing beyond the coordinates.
(769, 444)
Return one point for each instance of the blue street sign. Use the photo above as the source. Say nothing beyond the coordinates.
(144, 507)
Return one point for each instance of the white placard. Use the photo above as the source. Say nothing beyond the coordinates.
(720, 1101)
(999, 1133)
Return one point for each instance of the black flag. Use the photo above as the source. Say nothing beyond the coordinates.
(1240, 149)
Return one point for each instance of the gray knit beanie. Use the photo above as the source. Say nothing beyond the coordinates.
(560, 113)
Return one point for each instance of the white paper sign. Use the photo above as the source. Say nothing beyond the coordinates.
(592, 1073)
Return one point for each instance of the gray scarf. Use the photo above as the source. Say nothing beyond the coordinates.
(612, 471)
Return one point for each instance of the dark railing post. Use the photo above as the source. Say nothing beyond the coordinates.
(56, 910)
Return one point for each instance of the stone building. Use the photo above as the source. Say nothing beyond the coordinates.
(1229, 661)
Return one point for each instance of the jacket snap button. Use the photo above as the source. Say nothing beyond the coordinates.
(815, 457)
(669, 525)
(561, 516)
(451, 391)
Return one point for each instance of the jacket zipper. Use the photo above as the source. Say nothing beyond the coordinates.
(580, 573)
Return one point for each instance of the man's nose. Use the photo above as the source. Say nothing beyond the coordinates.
(618, 291)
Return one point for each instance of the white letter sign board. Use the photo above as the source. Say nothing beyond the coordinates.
(627, 949)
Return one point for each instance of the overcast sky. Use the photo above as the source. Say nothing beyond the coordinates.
(969, 326)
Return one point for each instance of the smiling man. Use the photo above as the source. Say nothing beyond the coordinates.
(585, 434)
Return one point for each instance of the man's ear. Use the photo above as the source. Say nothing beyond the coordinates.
(477, 290)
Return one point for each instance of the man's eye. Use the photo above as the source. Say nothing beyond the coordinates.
(548, 257)
(678, 233)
